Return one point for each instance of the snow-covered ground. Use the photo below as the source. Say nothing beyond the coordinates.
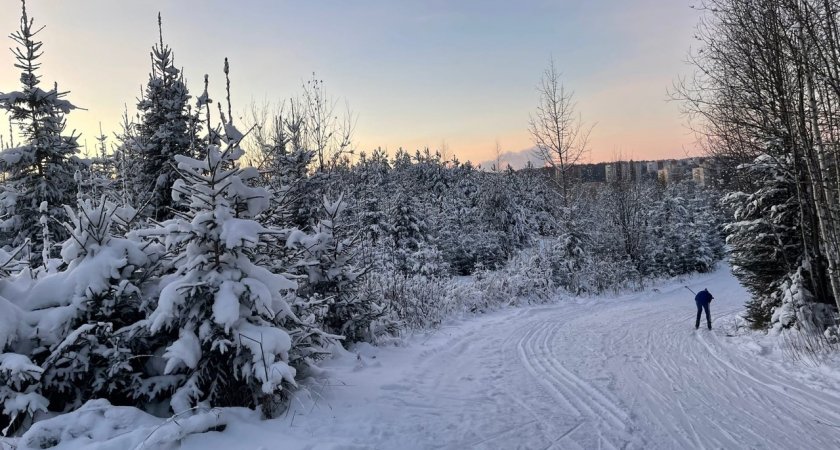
(626, 372)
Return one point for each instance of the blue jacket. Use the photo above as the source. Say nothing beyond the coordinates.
(703, 297)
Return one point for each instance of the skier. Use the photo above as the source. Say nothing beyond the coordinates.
(703, 298)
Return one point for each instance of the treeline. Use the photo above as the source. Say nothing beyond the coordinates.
(194, 264)
(765, 101)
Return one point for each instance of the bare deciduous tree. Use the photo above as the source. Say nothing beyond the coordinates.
(328, 135)
(560, 136)
(311, 122)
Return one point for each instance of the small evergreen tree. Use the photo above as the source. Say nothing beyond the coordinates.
(19, 376)
(228, 322)
(43, 168)
(166, 128)
(331, 275)
(89, 354)
(102, 177)
(76, 341)
(766, 247)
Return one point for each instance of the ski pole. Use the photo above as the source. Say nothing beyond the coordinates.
(689, 290)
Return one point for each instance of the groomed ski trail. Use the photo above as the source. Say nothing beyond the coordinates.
(619, 373)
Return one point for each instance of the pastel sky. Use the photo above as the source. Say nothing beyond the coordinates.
(416, 73)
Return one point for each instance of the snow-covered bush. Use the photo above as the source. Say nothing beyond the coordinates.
(99, 421)
(21, 401)
(526, 278)
(19, 376)
(79, 319)
(412, 302)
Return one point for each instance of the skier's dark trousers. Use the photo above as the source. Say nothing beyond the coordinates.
(703, 298)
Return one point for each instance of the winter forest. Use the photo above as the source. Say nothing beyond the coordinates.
(213, 258)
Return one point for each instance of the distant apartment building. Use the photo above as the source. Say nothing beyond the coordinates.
(666, 171)
(611, 172)
(638, 171)
(625, 170)
(588, 173)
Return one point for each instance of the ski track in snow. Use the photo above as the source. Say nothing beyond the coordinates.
(619, 373)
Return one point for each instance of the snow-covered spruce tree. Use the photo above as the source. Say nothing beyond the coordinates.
(573, 260)
(41, 171)
(462, 235)
(503, 216)
(684, 223)
(705, 204)
(228, 322)
(670, 220)
(297, 146)
(278, 143)
(166, 128)
(570, 253)
(123, 161)
(413, 210)
(410, 246)
(296, 190)
(407, 234)
(75, 336)
(331, 275)
(85, 346)
(535, 195)
(102, 177)
(608, 267)
(19, 376)
(764, 239)
(369, 208)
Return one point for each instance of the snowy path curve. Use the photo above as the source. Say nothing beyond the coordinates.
(612, 373)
